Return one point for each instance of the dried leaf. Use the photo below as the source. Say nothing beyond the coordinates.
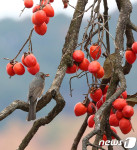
(132, 101)
(108, 66)
(132, 96)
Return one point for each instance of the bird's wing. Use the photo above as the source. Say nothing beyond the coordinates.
(36, 92)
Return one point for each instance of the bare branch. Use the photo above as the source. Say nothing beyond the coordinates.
(91, 20)
(132, 26)
(17, 104)
(95, 146)
(60, 103)
(118, 138)
(106, 25)
(85, 140)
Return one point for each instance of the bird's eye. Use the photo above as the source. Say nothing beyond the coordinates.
(42, 76)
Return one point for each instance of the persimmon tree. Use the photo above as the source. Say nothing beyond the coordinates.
(108, 82)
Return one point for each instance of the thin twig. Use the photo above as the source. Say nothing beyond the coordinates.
(24, 44)
(76, 76)
(22, 11)
(106, 26)
(84, 11)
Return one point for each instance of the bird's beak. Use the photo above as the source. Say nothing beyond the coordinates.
(46, 75)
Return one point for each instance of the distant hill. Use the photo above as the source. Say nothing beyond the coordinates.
(48, 50)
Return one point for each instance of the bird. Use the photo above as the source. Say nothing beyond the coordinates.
(36, 89)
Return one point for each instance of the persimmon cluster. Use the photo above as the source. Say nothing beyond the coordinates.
(120, 114)
(80, 62)
(98, 98)
(40, 19)
(41, 15)
(28, 60)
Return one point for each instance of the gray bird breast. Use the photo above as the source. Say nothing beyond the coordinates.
(36, 88)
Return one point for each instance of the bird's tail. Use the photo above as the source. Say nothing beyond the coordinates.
(32, 111)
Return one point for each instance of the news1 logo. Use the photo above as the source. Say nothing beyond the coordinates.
(130, 142)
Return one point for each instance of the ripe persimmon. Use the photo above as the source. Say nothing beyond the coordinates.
(40, 29)
(72, 69)
(94, 67)
(113, 121)
(128, 111)
(95, 51)
(91, 121)
(39, 17)
(80, 109)
(28, 3)
(119, 103)
(84, 64)
(48, 9)
(19, 68)
(34, 70)
(125, 125)
(130, 57)
(78, 56)
(134, 47)
(30, 60)
(100, 73)
(9, 69)
(96, 94)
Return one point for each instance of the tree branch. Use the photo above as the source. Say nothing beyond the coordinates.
(17, 104)
(60, 103)
(132, 26)
(106, 26)
(118, 138)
